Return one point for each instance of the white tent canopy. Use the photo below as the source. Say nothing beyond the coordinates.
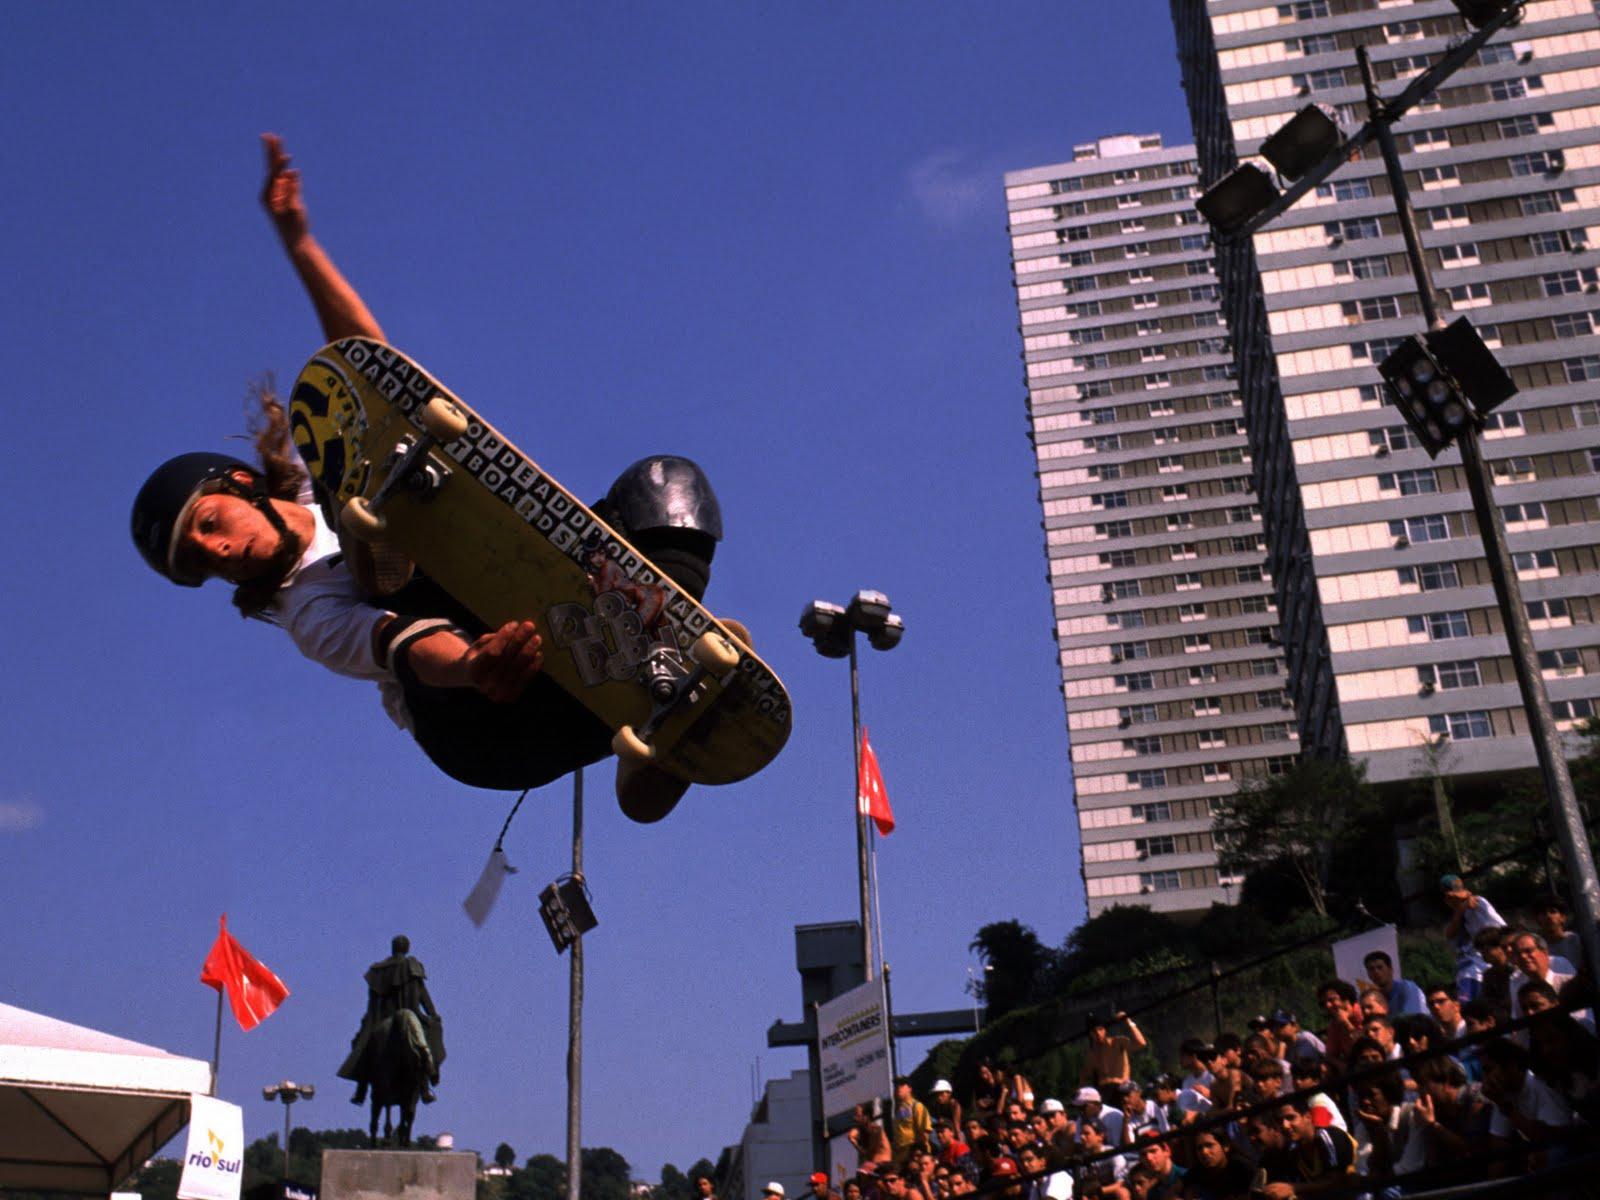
(80, 1110)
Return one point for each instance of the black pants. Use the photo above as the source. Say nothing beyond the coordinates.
(539, 737)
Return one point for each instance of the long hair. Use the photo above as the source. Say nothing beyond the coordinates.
(282, 476)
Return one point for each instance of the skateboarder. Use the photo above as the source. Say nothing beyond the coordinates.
(472, 697)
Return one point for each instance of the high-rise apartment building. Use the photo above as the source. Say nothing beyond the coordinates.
(1165, 620)
(1394, 637)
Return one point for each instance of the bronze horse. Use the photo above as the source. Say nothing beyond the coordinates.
(398, 1071)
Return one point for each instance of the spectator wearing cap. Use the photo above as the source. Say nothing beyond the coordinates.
(942, 1103)
(912, 1125)
(1106, 1060)
(1163, 1093)
(774, 1190)
(1470, 914)
(1403, 996)
(1048, 1182)
(1088, 1102)
(1293, 1040)
(1006, 1180)
(1551, 916)
(1340, 1003)
(819, 1187)
(1060, 1131)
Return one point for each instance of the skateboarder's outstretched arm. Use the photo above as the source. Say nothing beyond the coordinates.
(339, 307)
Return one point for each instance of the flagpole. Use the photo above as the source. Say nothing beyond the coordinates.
(863, 867)
(216, 1045)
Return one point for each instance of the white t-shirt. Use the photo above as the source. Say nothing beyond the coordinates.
(320, 607)
(1537, 1101)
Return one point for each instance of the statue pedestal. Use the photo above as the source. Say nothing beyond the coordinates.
(398, 1175)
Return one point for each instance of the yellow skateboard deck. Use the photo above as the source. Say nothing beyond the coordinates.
(510, 543)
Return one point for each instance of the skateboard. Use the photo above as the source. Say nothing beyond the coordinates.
(405, 467)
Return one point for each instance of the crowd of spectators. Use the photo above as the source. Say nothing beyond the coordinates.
(1395, 1086)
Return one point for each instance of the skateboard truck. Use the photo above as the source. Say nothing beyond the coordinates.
(713, 655)
(441, 422)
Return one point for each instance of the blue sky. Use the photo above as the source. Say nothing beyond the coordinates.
(769, 237)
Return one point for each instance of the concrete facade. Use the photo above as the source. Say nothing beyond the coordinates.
(398, 1175)
(776, 1144)
(1394, 636)
(1165, 619)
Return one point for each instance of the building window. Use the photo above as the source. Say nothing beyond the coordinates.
(1354, 230)
(1417, 530)
(1375, 267)
(1451, 676)
(1138, 714)
(1571, 325)
(1548, 612)
(1347, 189)
(1551, 241)
(1468, 295)
(1303, 10)
(1144, 780)
(1440, 627)
(1208, 706)
(1149, 847)
(1159, 881)
(1581, 369)
(1319, 81)
(1537, 162)
(1142, 745)
(1462, 726)
(1557, 663)
(1216, 772)
(1512, 470)
(1121, 589)
(1152, 810)
(1462, 254)
(1547, 202)
(1448, 216)
(1571, 710)
(1138, 681)
(1409, 483)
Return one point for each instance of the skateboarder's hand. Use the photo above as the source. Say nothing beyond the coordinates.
(280, 195)
(501, 663)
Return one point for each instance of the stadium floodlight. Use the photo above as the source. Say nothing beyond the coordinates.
(1241, 195)
(1303, 141)
(1443, 382)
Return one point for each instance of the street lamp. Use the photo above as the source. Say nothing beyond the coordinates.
(288, 1091)
(832, 630)
(1444, 382)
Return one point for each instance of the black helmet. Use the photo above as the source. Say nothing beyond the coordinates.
(163, 503)
(663, 491)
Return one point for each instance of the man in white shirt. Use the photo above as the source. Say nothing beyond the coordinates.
(1531, 956)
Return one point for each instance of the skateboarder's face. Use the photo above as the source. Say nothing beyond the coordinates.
(229, 537)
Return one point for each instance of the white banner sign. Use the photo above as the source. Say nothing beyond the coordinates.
(213, 1164)
(1349, 953)
(853, 1049)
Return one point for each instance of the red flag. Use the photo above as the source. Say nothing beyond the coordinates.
(254, 992)
(874, 798)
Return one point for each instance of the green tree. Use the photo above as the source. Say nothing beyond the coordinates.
(1297, 822)
(1015, 964)
(504, 1155)
(606, 1175)
(543, 1177)
(674, 1185)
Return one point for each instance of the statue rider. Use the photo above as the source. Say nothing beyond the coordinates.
(395, 984)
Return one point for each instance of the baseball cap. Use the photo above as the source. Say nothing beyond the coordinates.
(819, 1177)
(1005, 1167)
(1449, 883)
(1087, 1095)
(942, 1085)
(774, 1189)
(1052, 1106)
(1283, 1017)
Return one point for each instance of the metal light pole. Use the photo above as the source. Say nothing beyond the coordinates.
(575, 1015)
(833, 630)
(288, 1091)
(1243, 203)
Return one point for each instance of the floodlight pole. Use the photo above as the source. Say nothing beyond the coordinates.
(861, 817)
(575, 1015)
(1564, 812)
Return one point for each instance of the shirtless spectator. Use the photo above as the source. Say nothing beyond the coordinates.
(868, 1137)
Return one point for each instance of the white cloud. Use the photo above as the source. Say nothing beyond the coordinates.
(19, 816)
(951, 189)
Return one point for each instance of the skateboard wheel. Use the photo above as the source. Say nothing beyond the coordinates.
(628, 744)
(715, 653)
(360, 521)
(442, 419)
